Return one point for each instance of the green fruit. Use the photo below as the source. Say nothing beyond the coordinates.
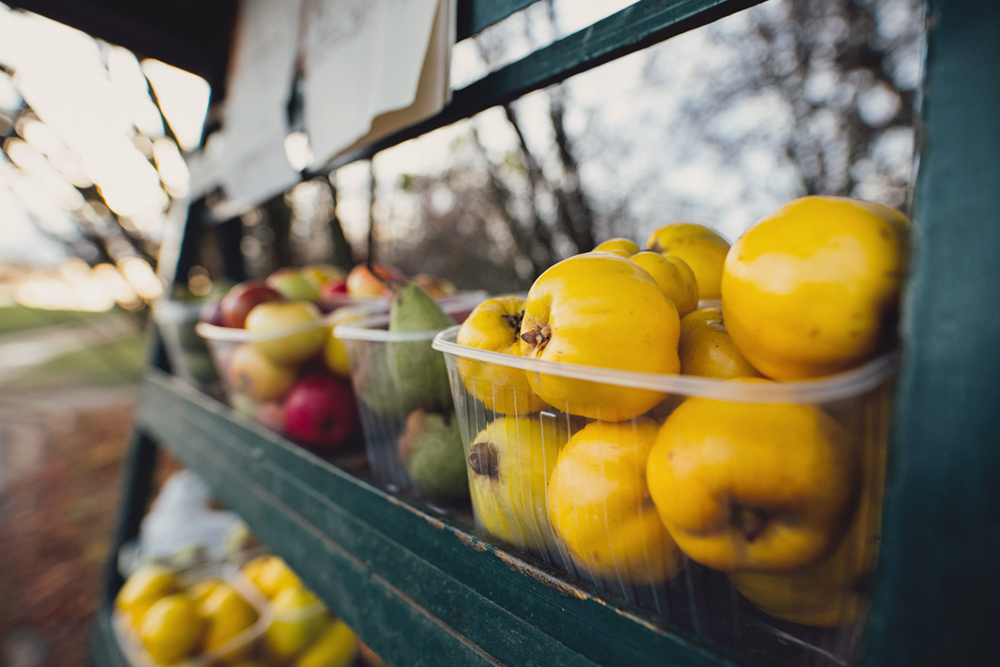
(431, 449)
(375, 386)
(419, 371)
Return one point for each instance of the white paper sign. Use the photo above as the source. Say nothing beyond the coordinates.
(254, 165)
(372, 67)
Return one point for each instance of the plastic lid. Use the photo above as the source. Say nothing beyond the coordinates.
(848, 384)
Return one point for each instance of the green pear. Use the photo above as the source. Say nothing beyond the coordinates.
(431, 449)
(419, 371)
(375, 385)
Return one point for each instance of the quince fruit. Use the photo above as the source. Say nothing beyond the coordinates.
(707, 349)
(701, 247)
(809, 290)
(619, 246)
(299, 617)
(761, 487)
(495, 325)
(170, 629)
(674, 277)
(600, 507)
(271, 576)
(226, 614)
(336, 646)
(510, 463)
(143, 588)
(598, 309)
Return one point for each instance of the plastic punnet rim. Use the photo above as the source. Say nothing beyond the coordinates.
(372, 328)
(848, 384)
(230, 334)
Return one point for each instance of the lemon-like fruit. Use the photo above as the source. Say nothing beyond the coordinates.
(673, 276)
(336, 646)
(744, 486)
(298, 619)
(226, 614)
(619, 245)
(170, 629)
(598, 504)
(274, 576)
(598, 309)
(144, 587)
(808, 290)
(509, 466)
(707, 349)
(495, 325)
(701, 247)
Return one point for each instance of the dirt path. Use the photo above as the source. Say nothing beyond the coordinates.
(60, 459)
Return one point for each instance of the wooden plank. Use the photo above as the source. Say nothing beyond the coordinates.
(326, 523)
(938, 591)
(636, 27)
(104, 650)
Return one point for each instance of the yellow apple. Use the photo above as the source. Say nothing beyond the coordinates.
(255, 376)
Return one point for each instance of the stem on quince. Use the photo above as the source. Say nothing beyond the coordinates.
(484, 459)
(515, 320)
(538, 337)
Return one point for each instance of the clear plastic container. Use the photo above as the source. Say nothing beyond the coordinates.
(404, 398)
(187, 352)
(294, 381)
(747, 511)
(247, 644)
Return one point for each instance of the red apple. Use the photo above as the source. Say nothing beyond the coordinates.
(362, 282)
(242, 298)
(321, 411)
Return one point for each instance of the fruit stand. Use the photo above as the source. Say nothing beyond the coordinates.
(422, 588)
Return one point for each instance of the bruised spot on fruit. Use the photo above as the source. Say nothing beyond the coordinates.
(514, 319)
(484, 459)
(750, 522)
(538, 338)
(814, 333)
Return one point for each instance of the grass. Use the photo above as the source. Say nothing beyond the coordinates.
(15, 319)
(120, 361)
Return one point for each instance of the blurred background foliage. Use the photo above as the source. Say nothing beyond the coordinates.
(718, 126)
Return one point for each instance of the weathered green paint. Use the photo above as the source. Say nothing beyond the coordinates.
(474, 16)
(939, 584)
(104, 650)
(360, 547)
(634, 28)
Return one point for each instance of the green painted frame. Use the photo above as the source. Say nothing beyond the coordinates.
(470, 602)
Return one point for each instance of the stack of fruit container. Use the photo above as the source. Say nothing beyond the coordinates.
(722, 466)
(407, 417)
(206, 615)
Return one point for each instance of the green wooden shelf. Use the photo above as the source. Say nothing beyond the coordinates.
(396, 571)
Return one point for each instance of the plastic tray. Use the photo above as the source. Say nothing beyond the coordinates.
(393, 406)
(574, 492)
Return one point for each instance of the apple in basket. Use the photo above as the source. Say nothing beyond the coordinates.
(321, 411)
